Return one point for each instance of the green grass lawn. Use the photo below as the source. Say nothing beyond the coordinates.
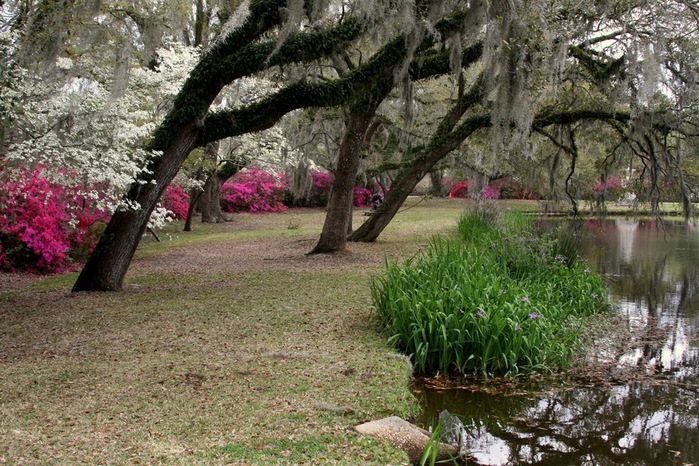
(260, 355)
(228, 346)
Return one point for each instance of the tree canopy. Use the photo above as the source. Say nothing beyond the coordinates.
(514, 86)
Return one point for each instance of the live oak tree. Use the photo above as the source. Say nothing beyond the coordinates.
(527, 54)
(190, 124)
(618, 52)
(405, 58)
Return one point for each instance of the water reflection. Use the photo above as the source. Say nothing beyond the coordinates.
(635, 424)
(653, 277)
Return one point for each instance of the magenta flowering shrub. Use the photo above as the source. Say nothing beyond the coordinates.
(491, 192)
(611, 182)
(361, 197)
(254, 190)
(611, 188)
(459, 189)
(44, 226)
(176, 200)
(318, 194)
(504, 188)
(322, 183)
(514, 189)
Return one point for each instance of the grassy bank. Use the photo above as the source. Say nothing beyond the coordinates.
(501, 300)
(228, 345)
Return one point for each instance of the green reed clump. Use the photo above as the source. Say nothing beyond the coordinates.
(500, 301)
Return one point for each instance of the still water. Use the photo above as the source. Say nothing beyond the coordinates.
(640, 404)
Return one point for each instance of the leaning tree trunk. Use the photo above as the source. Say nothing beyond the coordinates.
(396, 196)
(333, 238)
(358, 133)
(410, 176)
(194, 196)
(106, 268)
(446, 139)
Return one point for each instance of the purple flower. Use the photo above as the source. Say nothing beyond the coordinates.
(518, 328)
(534, 315)
(419, 248)
(595, 295)
(525, 299)
(480, 313)
(561, 259)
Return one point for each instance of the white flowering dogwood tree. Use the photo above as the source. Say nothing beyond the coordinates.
(509, 62)
(85, 137)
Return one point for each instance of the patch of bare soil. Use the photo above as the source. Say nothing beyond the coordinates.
(10, 282)
(275, 253)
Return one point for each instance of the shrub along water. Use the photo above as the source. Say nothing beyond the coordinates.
(499, 300)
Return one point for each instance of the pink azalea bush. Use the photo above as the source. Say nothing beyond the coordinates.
(611, 182)
(318, 194)
(44, 226)
(321, 185)
(176, 200)
(361, 197)
(511, 188)
(254, 190)
(460, 190)
(258, 191)
(611, 188)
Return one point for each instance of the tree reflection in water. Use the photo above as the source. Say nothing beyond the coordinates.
(653, 277)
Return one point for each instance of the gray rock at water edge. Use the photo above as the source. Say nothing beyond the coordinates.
(406, 436)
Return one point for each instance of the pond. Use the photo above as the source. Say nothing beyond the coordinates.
(638, 405)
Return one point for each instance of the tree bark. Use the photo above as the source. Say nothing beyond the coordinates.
(106, 268)
(210, 201)
(333, 238)
(401, 188)
(181, 131)
(194, 196)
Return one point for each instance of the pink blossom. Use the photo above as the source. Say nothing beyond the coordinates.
(43, 225)
(254, 190)
(176, 200)
(361, 197)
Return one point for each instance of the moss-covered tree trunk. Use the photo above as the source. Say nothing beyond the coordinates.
(194, 195)
(238, 55)
(359, 129)
(404, 184)
(210, 202)
(107, 266)
(447, 138)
